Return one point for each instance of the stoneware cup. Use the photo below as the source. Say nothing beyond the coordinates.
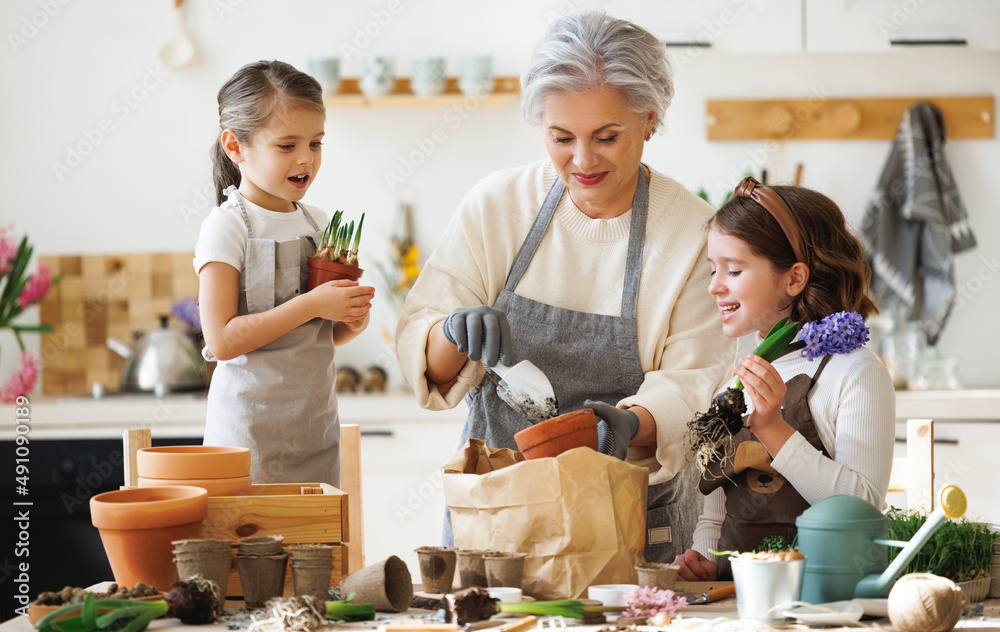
(378, 76)
(326, 70)
(475, 75)
(471, 568)
(387, 585)
(427, 76)
(504, 569)
(437, 568)
(657, 575)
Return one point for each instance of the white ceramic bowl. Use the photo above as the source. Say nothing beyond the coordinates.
(609, 594)
(505, 594)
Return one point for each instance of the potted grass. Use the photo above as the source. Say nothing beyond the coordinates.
(960, 550)
(337, 253)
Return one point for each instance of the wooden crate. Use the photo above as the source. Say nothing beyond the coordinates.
(307, 513)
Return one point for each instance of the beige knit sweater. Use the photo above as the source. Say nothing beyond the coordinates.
(580, 265)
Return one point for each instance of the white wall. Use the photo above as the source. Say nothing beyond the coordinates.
(145, 185)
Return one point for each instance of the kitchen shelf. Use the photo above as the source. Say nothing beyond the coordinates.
(841, 119)
(505, 93)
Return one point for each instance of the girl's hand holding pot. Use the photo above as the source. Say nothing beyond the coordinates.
(341, 301)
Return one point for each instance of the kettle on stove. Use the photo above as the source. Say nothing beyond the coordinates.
(844, 541)
(161, 361)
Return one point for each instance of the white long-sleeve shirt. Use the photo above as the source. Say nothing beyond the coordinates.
(580, 265)
(853, 406)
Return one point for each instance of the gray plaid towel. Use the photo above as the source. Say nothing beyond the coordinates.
(915, 223)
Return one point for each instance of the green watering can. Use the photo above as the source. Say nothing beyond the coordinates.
(843, 540)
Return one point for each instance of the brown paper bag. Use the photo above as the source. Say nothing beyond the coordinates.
(580, 517)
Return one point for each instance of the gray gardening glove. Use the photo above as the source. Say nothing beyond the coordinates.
(615, 429)
(482, 332)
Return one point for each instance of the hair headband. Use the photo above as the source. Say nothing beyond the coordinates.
(773, 204)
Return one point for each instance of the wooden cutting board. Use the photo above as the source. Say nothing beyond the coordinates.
(101, 296)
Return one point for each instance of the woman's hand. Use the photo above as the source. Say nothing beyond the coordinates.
(695, 567)
(482, 332)
(763, 384)
(342, 301)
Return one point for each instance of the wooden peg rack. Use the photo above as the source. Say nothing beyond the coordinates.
(841, 119)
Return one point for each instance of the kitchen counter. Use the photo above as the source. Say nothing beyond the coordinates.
(946, 406)
(183, 414)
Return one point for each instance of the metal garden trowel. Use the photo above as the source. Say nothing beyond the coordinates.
(526, 389)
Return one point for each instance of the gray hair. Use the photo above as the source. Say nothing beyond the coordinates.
(589, 51)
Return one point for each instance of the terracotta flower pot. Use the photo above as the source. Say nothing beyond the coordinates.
(321, 271)
(238, 486)
(193, 461)
(559, 434)
(137, 528)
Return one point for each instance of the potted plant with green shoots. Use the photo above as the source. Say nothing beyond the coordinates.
(337, 253)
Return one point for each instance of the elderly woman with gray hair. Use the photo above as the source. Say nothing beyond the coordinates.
(591, 265)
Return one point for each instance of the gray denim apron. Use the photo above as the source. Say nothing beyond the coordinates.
(279, 400)
(585, 356)
(759, 501)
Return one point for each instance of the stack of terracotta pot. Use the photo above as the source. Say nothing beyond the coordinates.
(221, 471)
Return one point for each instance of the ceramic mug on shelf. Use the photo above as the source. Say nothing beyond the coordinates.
(427, 76)
(377, 76)
(326, 70)
(475, 75)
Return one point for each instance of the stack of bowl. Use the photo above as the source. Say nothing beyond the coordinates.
(222, 471)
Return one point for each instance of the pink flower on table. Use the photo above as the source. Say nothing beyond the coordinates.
(8, 248)
(36, 288)
(21, 381)
(647, 601)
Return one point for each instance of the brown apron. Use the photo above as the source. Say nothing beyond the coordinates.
(759, 501)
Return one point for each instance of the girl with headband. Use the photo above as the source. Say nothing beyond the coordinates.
(821, 416)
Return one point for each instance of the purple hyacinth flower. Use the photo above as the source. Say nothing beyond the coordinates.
(842, 332)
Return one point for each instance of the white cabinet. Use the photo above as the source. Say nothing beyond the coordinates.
(402, 496)
(965, 454)
(729, 26)
(838, 26)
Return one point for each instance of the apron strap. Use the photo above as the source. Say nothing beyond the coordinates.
(636, 240)
(535, 235)
(234, 193)
(308, 216)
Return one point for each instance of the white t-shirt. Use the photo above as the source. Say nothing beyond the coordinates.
(223, 234)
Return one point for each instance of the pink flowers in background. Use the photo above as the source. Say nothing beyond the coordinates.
(648, 601)
(21, 381)
(36, 289)
(18, 291)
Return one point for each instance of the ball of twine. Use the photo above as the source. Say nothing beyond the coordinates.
(922, 602)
